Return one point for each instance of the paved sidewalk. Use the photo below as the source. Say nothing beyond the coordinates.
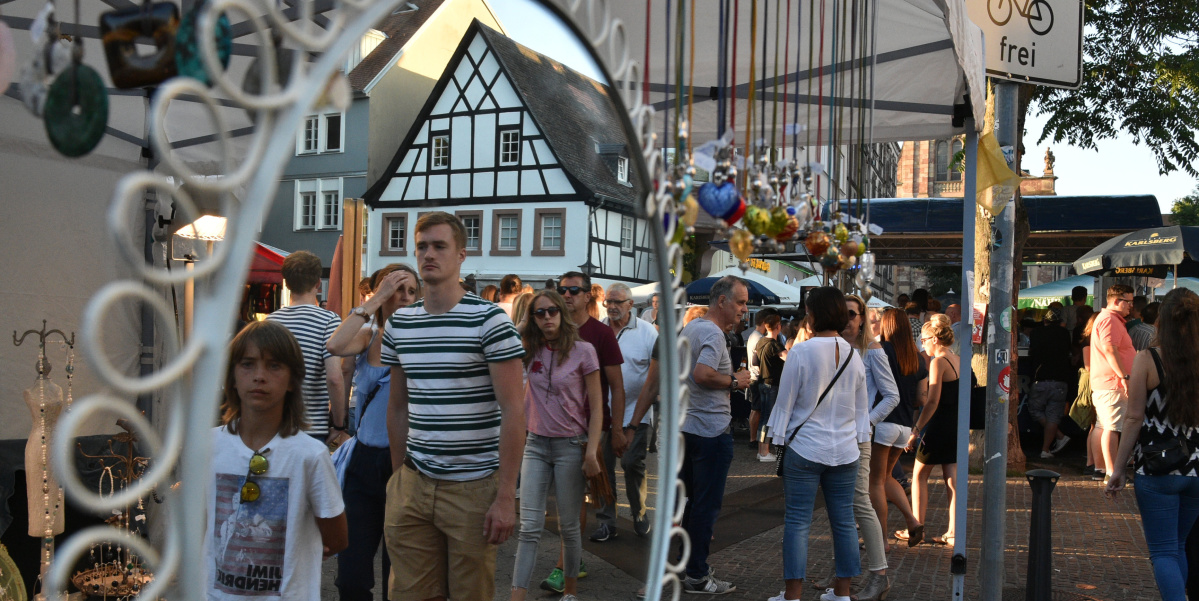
(1099, 548)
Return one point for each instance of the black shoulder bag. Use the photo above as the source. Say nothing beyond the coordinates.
(1165, 454)
(782, 450)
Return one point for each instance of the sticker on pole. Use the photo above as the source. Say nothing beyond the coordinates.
(1032, 41)
(1005, 319)
(1005, 380)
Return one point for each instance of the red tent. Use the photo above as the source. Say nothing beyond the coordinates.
(267, 266)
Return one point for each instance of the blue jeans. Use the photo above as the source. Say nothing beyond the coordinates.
(558, 461)
(365, 497)
(800, 479)
(1169, 506)
(705, 468)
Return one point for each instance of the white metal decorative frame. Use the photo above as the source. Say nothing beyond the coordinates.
(192, 373)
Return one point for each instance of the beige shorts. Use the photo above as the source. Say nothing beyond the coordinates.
(433, 530)
(1109, 409)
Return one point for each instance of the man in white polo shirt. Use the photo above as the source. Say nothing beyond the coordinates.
(637, 339)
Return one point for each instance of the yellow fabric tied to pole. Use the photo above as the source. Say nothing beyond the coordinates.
(992, 171)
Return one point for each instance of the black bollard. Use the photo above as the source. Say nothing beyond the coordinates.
(1040, 530)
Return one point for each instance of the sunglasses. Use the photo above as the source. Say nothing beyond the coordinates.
(548, 311)
(572, 289)
(853, 314)
(258, 466)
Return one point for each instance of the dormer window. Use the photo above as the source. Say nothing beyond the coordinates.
(441, 151)
(622, 169)
(321, 133)
(509, 147)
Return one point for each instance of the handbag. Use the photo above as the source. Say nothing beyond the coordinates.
(1161, 456)
(782, 450)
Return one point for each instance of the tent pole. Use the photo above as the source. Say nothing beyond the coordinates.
(957, 566)
(1175, 278)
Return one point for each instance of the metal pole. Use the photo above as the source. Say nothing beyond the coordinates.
(999, 349)
(1040, 541)
(957, 566)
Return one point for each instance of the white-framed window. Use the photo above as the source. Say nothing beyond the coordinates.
(551, 232)
(622, 169)
(397, 233)
(626, 233)
(510, 147)
(441, 151)
(322, 133)
(318, 204)
(474, 232)
(306, 211)
(509, 232)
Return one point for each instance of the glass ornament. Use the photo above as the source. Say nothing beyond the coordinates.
(741, 243)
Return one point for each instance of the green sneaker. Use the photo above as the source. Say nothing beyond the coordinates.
(555, 582)
(582, 569)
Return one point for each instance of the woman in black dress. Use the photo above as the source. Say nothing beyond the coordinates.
(939, 422)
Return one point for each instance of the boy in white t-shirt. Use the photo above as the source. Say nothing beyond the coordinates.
(274, 506)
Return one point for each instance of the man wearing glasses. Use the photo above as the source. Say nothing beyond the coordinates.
(575, 288)
(1112, 354)
(637, 339)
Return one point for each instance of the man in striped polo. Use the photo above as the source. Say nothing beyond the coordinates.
(324, 387)
(456, 424)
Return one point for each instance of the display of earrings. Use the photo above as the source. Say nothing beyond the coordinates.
(116, 571)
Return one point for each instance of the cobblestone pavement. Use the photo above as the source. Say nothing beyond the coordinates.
(1099, 548)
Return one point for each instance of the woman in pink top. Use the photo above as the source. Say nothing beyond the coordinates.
(564, 411)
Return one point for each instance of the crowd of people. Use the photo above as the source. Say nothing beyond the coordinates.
(441, 403)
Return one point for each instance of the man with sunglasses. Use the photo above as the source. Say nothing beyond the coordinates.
(575, 288)
(1112, 354)
(637, 339)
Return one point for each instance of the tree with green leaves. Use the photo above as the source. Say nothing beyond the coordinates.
(1140, 77)
(1185, 210)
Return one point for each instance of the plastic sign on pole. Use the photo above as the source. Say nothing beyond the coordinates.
(1032, 41)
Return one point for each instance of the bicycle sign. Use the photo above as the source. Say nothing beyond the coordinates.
(1038, 13)
(1032, 41)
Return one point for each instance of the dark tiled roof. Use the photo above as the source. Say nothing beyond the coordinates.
(576, 114)
(399, 30)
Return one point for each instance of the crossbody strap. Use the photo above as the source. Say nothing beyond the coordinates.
(848, 356)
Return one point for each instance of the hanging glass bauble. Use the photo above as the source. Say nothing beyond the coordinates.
(188, 59)
(840, 233)
(867, 263)
(817, 242)
(849, 248)
(846, 262)
(120, 32)
(830, 260)
(789, 230)
(756, 220)
(720, 201)
(76, 111)
(741, 243)
(690, 211)
(8, 56)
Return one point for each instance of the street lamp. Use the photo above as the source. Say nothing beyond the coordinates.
(588, 268)
(210, 229)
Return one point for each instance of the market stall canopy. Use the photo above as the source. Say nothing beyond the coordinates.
(927, 56)
(697, 292)
(1149, 252)
(788, 294)
(267, 266)
(1039, 297)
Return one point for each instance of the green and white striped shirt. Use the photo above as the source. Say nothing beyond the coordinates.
(453, 415)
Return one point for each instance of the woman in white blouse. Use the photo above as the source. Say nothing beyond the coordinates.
(821, 439)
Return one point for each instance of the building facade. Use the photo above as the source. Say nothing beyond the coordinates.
(532, 156)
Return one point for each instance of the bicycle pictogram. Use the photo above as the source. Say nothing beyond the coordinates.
(1038, 13)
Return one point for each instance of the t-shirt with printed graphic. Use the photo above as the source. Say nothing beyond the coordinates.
(312, 326)
(556, 402)
(270, 547)
(453, 414)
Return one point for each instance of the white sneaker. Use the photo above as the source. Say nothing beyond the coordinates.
(1046, 455)
(767, 458)
(782, 596)
(829, 595)
(1059, 444)
(708, 585)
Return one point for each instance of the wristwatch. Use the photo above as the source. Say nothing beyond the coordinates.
(733, 384)
(1127, 377)
(359, 311)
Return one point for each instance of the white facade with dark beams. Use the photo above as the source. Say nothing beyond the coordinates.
(530, 154)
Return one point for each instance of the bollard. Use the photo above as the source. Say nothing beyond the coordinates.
(1040, 530)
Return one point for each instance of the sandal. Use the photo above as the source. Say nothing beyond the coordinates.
(941, 540)
(900, 535)
(915, 535)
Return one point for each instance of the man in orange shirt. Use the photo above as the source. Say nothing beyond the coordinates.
(1112, 354)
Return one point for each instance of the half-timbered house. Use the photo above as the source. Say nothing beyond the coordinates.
(531, 155)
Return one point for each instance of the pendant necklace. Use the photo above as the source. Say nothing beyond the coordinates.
(549, 386)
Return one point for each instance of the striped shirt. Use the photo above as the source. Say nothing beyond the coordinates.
(312, 326)
(453, 414)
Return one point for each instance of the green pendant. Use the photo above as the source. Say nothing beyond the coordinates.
(76, 111)
(188, 58)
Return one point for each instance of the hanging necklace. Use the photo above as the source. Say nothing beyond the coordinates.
(549, 384)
